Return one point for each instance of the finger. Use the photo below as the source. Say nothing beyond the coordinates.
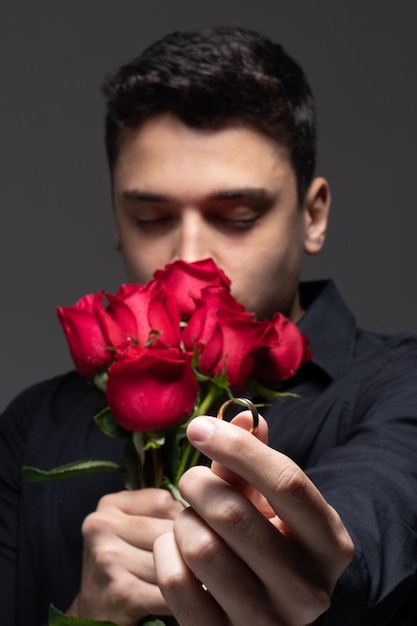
(244, 420)
(119, 580)
(313, 523)
(228, 579)
(118, 566)
(135, 530)
(104, 550)
(249, 568)
(182, 591)
(157, 503)
(124, 600)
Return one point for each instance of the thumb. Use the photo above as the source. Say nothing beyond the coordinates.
(245, 420)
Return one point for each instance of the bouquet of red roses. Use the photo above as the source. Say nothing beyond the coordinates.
(161, 354)
(165, 352)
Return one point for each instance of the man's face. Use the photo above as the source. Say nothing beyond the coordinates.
(228, 194)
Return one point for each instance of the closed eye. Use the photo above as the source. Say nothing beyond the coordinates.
(153, 223)
(239, 224)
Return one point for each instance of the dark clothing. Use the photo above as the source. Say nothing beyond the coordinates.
(353, 430)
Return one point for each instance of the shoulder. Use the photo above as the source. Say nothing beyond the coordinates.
(29, 400)
(368, 342)
(54, 396)
(382, 360)
(32, 395)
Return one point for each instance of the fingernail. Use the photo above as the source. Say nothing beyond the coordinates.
(199, 429)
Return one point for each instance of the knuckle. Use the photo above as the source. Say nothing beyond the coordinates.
(162, 499)
(190, 479)
(344, 544)
(202, 550)
(291, 484)
(106, 502)
(106, 557)
(230, 513)
(119, 590)
(93, 524)
(173, 584)
(347, 548)
(314, 601)
(103, 552)
(119, 594)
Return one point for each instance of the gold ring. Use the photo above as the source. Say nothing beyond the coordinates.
(247, 404)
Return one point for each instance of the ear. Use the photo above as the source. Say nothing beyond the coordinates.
(316, 211)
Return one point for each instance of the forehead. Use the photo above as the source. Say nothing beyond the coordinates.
(165, 147)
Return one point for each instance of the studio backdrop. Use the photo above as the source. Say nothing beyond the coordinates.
(56, 226)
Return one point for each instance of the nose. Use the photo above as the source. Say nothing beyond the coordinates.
(194, 237)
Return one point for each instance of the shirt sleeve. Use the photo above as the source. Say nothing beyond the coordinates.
(15, 428)
(370, 478)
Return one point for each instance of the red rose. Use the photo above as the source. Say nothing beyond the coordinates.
(225, 335)
(156, 390)
(285, 351)
(186, 280)
(117, 321)
(135, 315)
(94, 332)
(155, 310)
(87, 343)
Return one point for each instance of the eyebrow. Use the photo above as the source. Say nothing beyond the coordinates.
(143, 196)
(248, 193)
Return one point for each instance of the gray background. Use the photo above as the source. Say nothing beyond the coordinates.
(56, 238)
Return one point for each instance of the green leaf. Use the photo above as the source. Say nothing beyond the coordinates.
(201, 378)
(100, 381)
(167, 484)
(56, 618)
(76, 468)
(221, 380)
(154, 441)
(108, 425)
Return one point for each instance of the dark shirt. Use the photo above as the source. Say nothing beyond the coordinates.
(353, 429)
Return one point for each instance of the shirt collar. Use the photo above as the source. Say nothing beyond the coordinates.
(329, 325)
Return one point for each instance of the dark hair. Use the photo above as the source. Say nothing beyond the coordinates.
(212, 77)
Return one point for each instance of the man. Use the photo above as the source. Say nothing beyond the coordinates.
(211, 144)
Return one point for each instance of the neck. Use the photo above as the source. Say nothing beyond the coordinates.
(297, 311)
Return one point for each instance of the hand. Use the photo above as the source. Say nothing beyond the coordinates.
(259, 544)
(118, 576)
